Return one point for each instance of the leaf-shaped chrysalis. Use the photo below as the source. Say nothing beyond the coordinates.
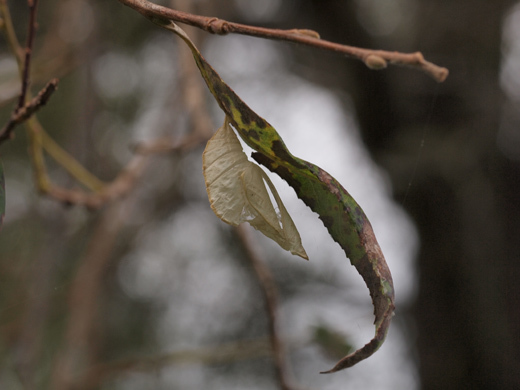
(237, 191)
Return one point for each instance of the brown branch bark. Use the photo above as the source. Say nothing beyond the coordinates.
(374, 59)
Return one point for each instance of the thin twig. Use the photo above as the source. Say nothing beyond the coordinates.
(34, 128)
(100, 193)
(270, 292)
(24, 110)
(38, 138)
(374, 59)
(26, 73)
(23, 113)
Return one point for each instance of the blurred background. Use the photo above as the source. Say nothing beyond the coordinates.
(153, 291)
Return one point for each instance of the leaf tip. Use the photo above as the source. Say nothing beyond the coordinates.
(300, 252)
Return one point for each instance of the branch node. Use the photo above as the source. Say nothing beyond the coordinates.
(419, 57)
(217, 26)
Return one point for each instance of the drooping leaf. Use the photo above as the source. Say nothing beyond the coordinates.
(342, 216)
(2, 195)
(237, 192)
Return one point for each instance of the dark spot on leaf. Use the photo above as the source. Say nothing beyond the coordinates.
(311, 202)
(328, 221)
(253, 134)
(280, 150)
(280, 170)
(264, 160)
(262, 124)
(248, 116)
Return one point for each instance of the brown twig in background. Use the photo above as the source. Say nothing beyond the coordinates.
(100, 193)
(374, 59)
(38, 138)
(270, 292)
(77, 351)
(192, 86)
(126, 179)
(21, 114)
(38, 288)
(220, 354)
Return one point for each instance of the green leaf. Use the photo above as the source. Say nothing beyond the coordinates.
(237, 192)
(342, 216)
(2, 195)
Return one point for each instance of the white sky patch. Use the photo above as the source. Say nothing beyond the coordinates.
(259, 10)
(508, 137)
(382, 17)
(510, 75)
(116, 75)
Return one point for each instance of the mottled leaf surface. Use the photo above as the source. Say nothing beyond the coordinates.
(237, 191)
(342, 216)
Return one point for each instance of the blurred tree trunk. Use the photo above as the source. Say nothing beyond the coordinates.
(464, 193)
(467, 336)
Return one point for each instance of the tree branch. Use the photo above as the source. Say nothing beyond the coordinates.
(374, 59)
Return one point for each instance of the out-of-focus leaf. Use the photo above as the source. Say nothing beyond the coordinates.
(237, 192)
(332, 343)
(2, 195)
